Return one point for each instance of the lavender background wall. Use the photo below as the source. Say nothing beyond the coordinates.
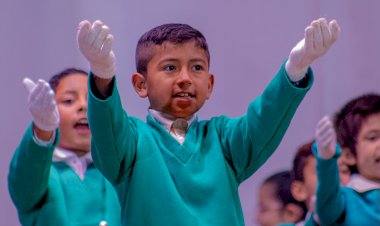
(249, 40)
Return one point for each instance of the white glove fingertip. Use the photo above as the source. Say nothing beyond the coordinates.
(84, 25)
(101, 37)
(29, 84)
(83, 29)
(97, 25)
(107, 46)
(334, 30)
(309, 39)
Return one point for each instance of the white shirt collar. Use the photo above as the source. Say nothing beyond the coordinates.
(361, 184)
(167, 120)
(78, 164)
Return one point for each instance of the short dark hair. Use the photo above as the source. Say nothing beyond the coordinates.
(173, 33)
(282, 182)
(300, 159)
(56, 79)
(349, 119)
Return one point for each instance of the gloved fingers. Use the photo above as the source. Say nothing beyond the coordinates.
(42, 95)
(322, 127)
(35, 95)
(100, 38)
(309, 39)
(317, 33)
(95, 30)
(107, 45)
(326, 138)
(84, 29)
(326, 36)
(334, 30)
(28, 84)
(323, 123)
(48, 101)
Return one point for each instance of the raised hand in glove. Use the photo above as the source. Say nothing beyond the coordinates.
(95, 43)
(319, 37)
(42, 104)
(325, 137)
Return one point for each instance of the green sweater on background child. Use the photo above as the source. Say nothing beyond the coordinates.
(344, 205)
(51, 193)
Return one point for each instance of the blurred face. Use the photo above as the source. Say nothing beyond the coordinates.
(368, 148)
(177, 81)
(270, 210)
(310, 174)
(346, 160)
(310, 178)
(71, 97)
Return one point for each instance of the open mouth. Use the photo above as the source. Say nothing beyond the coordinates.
(184, 95)
(82, 124)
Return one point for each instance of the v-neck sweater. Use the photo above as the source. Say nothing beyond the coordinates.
(161, 182)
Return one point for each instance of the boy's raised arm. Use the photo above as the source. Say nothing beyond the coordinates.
(95, 43)
(330, 201)
(30, 165)
(319, 37)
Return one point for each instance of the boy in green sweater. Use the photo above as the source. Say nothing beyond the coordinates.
(357, 127)
(174, 169)
(304, 178)
(52, 179)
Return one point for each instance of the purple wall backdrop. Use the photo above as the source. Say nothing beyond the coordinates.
(248, 40)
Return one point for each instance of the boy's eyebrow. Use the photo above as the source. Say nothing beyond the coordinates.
(72, 92)
(176, 59)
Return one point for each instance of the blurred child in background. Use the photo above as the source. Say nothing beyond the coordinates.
(276, 203)
(304, 179)
(52, 179)
(357, 128)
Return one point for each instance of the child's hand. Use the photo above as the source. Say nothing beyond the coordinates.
(95, 43)
(326, 138)
(319, 37)
(42, 104)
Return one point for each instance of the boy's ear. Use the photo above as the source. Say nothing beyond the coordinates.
(348, 156)
(299, 191)
(139, 83)
(210, 85)
(293, 212)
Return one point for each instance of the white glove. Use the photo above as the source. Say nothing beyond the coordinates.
(42, 105)
(319, 37)
(95, 43)
(325, 137)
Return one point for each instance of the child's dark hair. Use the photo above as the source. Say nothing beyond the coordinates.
(55, 79)
(349, 120)
(282, 182)
(300, 159)
(173, 33)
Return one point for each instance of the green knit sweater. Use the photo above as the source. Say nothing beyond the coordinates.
(48, 193)
(161, 182)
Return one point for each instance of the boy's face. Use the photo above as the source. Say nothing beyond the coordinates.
(178, 80)
(71, 97)
(368, 148)
(270, 211)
